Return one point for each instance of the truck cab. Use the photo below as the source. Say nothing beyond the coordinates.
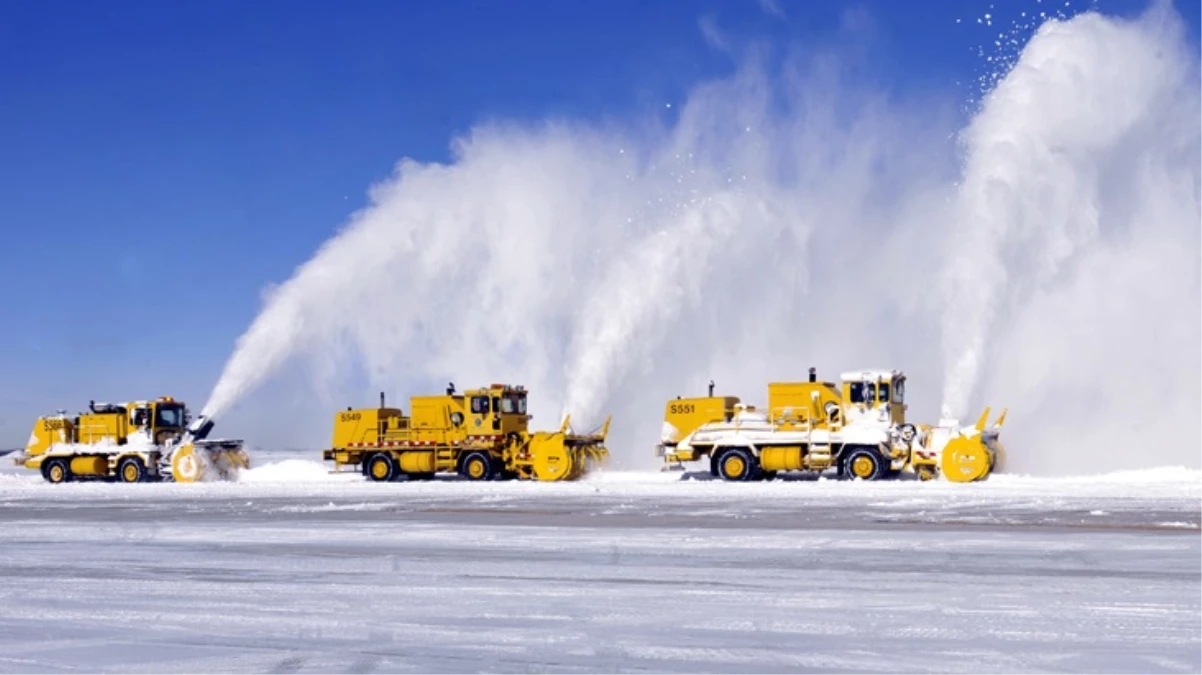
(497, 410)
(874, 396)
(163, 419)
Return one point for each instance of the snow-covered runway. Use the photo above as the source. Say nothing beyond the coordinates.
(293, 570)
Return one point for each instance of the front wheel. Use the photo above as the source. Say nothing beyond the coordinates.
(131, 470)
(865, 464)
(477, 466)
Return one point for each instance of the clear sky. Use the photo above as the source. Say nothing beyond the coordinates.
(163, 162)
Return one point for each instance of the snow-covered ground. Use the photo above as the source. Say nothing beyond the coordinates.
(294, 570)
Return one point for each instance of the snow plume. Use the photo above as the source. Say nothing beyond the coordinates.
(781, 218)
(604, 268)
(1072, 282)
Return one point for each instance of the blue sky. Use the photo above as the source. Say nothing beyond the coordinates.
(164, 161)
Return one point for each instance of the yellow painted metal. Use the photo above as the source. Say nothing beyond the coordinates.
(794, 404)
(550, 457)
(417, 461)
(186, 465)
(48, 431)
(108, 432)
(190, 464)
(687, 414)
(973, 454)
(491, 419)
(780, 458)
(97, 427)
(822, 411)
(89, 465)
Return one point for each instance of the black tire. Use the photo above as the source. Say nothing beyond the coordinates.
(57, 471)
(737, 464)
(380, 468)
(131, 470)
(865, 464)
(477, 466)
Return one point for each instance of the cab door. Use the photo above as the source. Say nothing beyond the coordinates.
(479, 417)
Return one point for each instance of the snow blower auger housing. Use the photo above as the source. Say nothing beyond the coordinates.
(966, 454)
(480, 434)
(131, 443)
(856, 426)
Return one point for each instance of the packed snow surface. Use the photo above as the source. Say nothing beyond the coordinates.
(293, 569)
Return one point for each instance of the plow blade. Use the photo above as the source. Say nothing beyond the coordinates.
(208, 461)
(972, 453)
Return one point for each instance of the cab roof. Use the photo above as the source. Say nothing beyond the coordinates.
(870, 375)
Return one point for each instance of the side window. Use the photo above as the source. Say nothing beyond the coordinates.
(899, 392)
(884, 392)
(479, 405)
(865, 392)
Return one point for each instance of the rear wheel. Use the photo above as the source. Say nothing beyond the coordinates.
(865, 464)
(57, 471)
(380, 468)
(736, 464)
(131, 470)
(477, 466)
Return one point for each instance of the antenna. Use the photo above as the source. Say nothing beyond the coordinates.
(711, 388)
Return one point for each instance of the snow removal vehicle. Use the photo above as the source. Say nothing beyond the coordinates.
(480, 434)
(131, 442)
(857, 426)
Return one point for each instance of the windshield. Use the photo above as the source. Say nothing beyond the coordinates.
(899, 392)
(169, 416)
(513, 404)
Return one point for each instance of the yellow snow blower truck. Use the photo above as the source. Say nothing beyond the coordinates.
(131, 443)
(856, 426)
(480, 434)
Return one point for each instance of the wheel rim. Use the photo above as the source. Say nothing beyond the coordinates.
(56, 473)
(379, 469)
(862, 466)
(475, 468)
(734, 466)
(131, 473)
